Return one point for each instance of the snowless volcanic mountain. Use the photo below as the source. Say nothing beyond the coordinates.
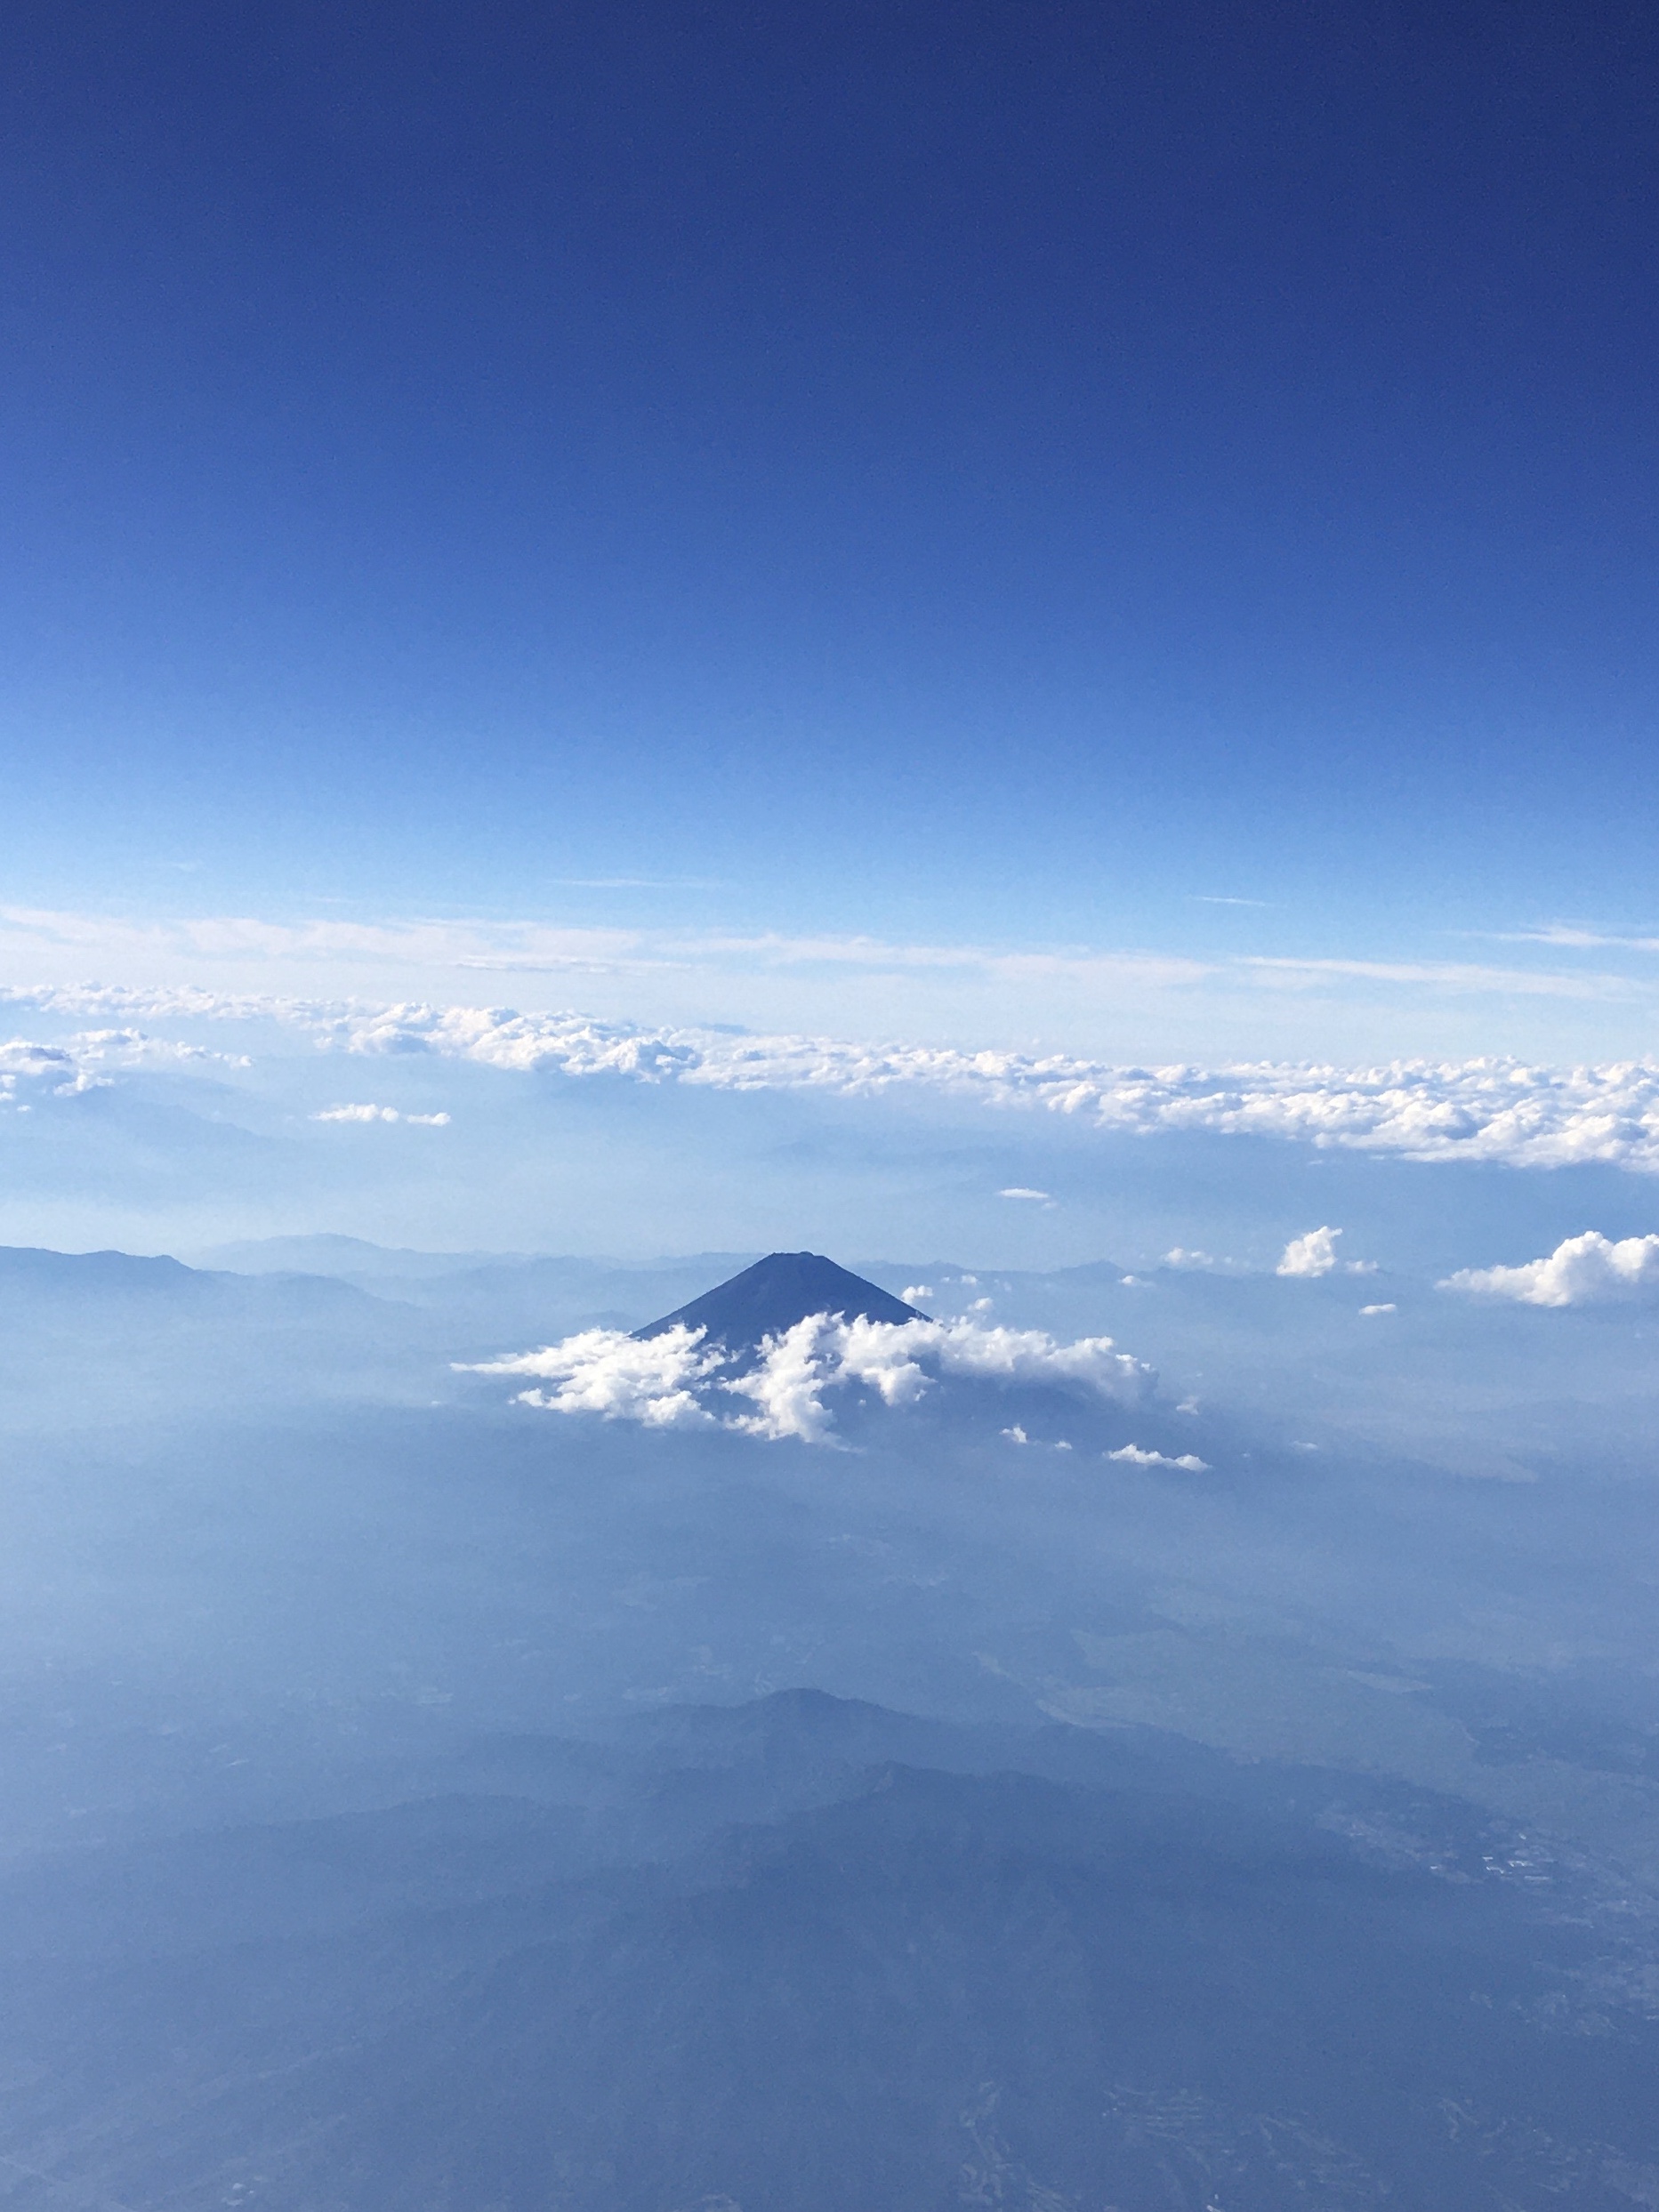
(777, 1293)
(793, 1327)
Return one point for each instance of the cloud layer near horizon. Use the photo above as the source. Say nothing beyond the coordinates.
(679, 1381)
(1494, 1110)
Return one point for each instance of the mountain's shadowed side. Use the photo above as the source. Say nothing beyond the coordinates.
(777, 1292)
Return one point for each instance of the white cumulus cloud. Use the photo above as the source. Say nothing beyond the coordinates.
(901, 1360)
(1314, 1254)
(1137, 1455)
(1580, 1271)
(678, 1380)
(72, 1065)
(55, 1071)
(1019, 1190)
(608, 1372)
(787, 1387)
(1486, 1109)
(381, 1113)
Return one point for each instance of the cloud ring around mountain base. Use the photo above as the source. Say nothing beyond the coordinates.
(679, 1380)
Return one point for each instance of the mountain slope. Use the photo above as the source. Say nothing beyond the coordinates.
(773, 1294)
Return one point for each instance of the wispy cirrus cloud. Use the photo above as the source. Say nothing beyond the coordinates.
(1577, 937)
(435, 944)
(479, 946)
(1458, 978)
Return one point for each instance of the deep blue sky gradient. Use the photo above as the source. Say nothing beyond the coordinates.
(1008, 471)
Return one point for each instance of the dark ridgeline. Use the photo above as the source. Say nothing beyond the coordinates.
(777, 1292)
(808, 1955)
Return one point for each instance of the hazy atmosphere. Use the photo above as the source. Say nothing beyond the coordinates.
(829, 1115)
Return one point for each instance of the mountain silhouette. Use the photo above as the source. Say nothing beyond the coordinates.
(773, 1294)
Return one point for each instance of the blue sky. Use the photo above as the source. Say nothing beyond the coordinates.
(1122, 533)
(988, 473)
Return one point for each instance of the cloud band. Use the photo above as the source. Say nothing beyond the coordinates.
(1517, 1113)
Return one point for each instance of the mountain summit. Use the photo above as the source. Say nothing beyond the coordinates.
(777, 1292)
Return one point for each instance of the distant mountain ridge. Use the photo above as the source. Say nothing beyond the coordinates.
(331, 1254)
(1036, 1967)
(41, 1283)
(776, 1293)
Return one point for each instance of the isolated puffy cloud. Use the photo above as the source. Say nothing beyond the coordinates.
(1486, 1109)
(1137, 1455)
(678, 1380)
(1580, 1271)
(1019, 1190)
(1314, 1254)
(380, 1113)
